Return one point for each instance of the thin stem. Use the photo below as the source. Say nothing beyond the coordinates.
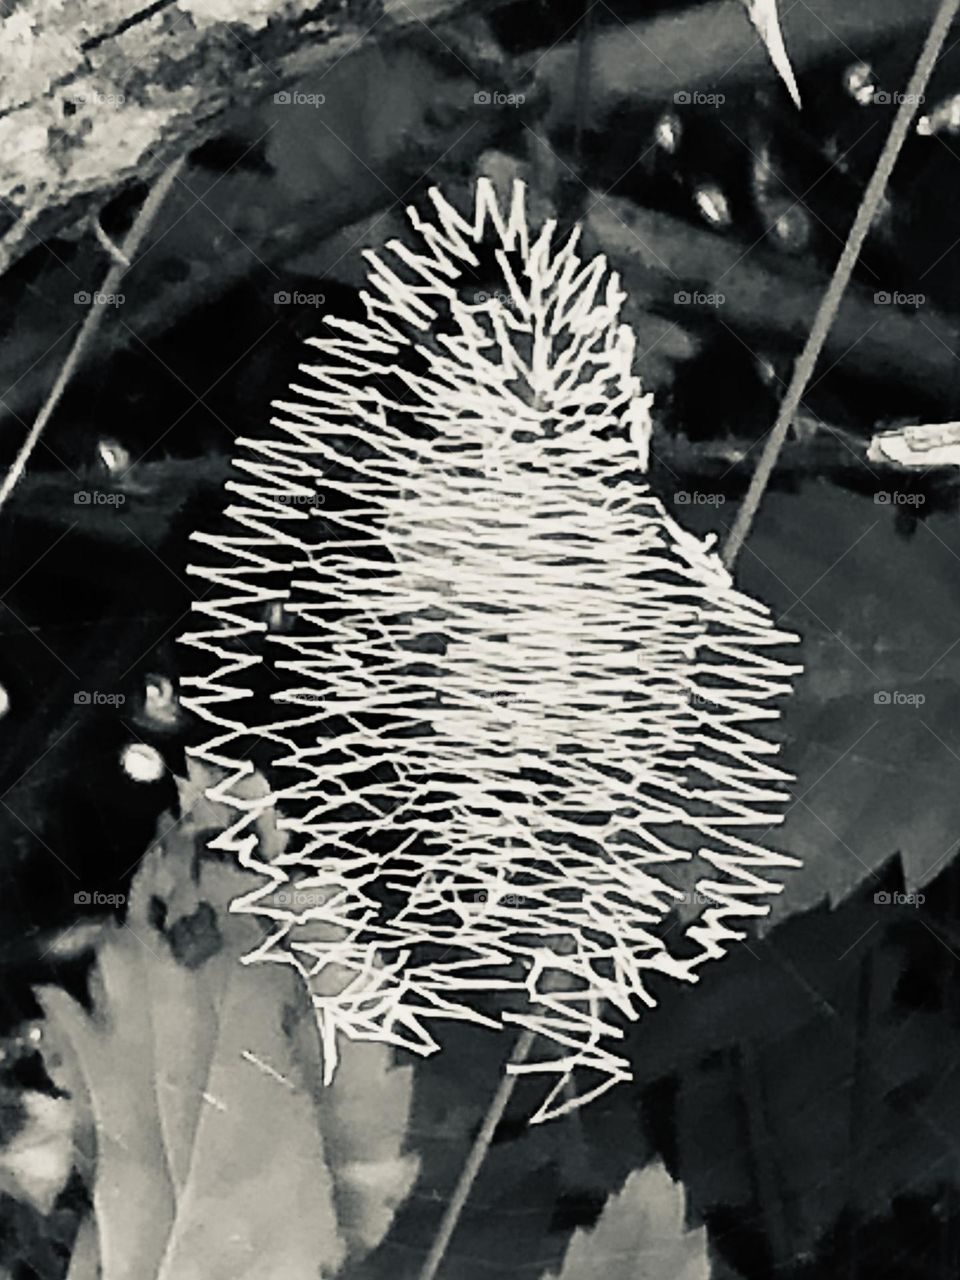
(830, 303)
(478, 1153)
(91, 323)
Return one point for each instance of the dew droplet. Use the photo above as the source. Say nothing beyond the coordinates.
(142, 763)
(668, 133)
(764, 173)
(713, 206)
(767, 371)
(160, 701)
(113, 455)
(792, 230)
(859, 83)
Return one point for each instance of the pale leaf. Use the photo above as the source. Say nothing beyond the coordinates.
(640, 1236)
(364, 1117)
(85, 1259)
(210, 1162)
(36, 1162)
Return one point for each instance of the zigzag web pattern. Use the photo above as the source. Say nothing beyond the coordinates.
(515, 711)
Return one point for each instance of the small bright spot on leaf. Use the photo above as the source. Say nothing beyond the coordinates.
(4, 701)
(142, 763)
(766, 370)
(944, 118)
(713, 205)
(160, 701)
(858, 80)
(764, 175)
(792, 230)
(668, 132)
(113, 456)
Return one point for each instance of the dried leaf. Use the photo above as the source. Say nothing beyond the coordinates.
(36, 1162)
(197, 1107)
(765, 17)
(640, 1236)
(200, 1096)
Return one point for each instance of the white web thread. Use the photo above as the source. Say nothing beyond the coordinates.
(540, 689)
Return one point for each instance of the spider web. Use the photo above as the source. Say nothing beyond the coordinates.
(517, 715)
